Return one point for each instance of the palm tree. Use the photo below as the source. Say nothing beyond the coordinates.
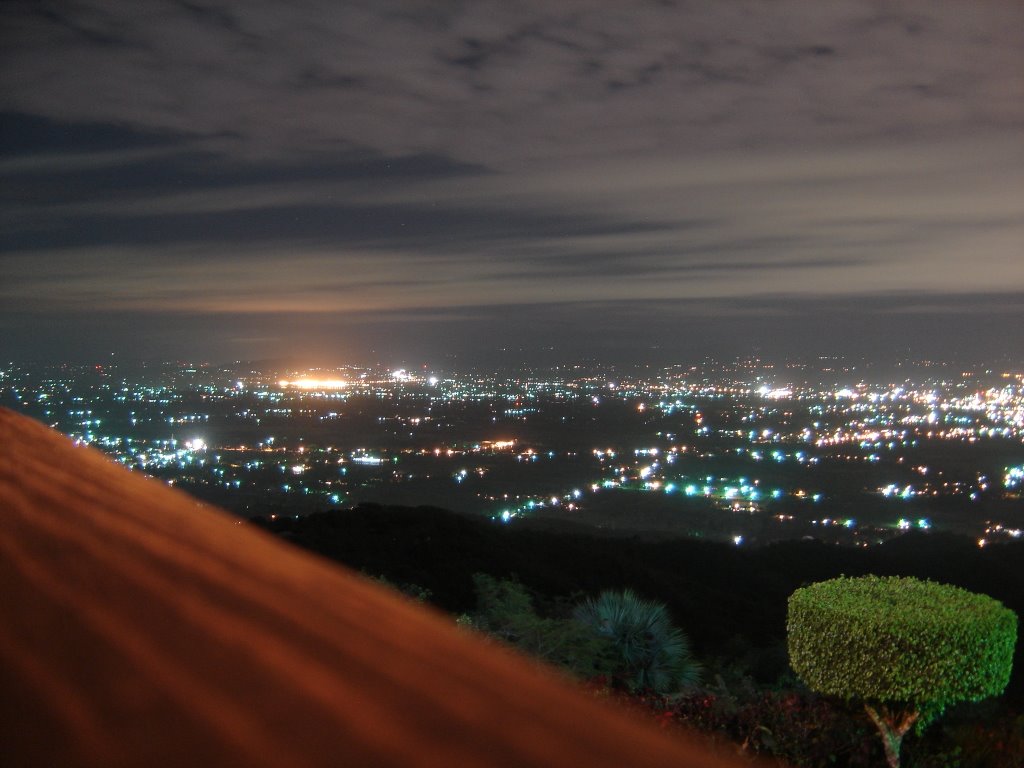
(652, 654)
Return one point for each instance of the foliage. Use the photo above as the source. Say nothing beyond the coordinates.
(906, 648)
(799, 729)
(652, 653)
(802, 729)
(505, 610)
(985, 743)
(413, 591)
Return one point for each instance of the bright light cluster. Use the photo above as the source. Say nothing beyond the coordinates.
(314, 384)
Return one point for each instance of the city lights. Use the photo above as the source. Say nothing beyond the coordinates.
(711, 451)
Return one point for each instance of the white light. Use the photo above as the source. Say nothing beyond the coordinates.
(370, 460)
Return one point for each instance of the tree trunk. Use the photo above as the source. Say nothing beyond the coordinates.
(892, 726)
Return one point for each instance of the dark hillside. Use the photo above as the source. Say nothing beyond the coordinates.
(730, 600)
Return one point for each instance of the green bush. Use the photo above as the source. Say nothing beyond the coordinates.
(505, 611)
(904, 647)
(653, 654)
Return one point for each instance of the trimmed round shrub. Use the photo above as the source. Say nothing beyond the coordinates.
(900, 641)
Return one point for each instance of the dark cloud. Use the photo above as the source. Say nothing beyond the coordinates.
(22, 134)
(89, 26)
(426, 229)
(126, 175)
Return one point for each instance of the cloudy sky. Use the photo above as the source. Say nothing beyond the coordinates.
(409, 180)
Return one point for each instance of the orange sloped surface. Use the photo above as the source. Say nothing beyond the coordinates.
(140, 627)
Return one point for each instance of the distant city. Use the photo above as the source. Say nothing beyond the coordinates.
(747, 452)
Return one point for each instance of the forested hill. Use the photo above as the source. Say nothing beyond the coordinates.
(730, 600)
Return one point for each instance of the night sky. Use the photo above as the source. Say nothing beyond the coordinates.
(477, 181)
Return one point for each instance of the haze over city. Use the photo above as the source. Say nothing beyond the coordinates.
(510, 181)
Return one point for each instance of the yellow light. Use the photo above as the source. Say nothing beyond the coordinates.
(315, 384)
